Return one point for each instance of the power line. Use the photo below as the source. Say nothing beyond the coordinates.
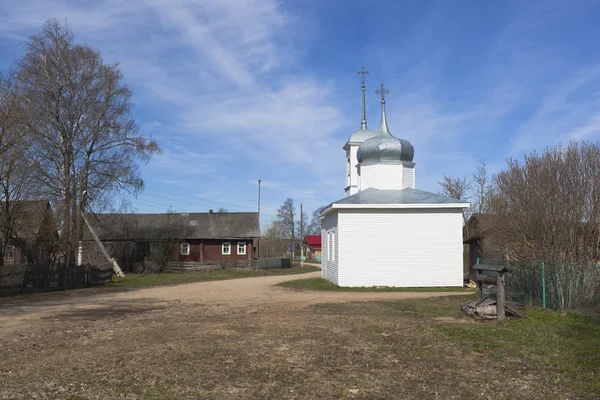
(208, 200)
(165, 206)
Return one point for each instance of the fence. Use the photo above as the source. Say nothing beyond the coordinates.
(550, 284)
(268, 263)
(53, 276)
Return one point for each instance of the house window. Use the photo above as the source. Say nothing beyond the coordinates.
(241, 249)
(226, 249)
(9, 253)
(332, 246)
(329, 246)
(348, 167)
(185, 249)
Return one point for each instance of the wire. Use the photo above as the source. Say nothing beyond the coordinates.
(207, 200)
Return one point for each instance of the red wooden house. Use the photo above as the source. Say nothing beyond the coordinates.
(174, 239)
(314, 246)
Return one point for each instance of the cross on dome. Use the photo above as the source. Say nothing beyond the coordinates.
(383, 92)
(363, 72)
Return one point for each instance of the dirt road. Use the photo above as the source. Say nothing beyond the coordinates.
(20, 312)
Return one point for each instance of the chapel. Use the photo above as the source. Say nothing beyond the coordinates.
(385, 232)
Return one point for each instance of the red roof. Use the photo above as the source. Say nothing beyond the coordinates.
(314, 241)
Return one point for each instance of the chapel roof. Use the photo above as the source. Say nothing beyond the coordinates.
(403, 196)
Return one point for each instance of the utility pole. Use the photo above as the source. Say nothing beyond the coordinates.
(301, 239)
(259, 232)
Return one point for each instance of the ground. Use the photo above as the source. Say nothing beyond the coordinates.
(249, 339)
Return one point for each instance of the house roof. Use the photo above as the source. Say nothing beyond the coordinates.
(405, 198)
(29, 217)
(478, 226)
(313, 241)
(183, 226)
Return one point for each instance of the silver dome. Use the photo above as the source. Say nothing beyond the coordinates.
(385, 147)
(361, 135)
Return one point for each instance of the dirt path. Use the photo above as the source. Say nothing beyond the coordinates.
(18, 313)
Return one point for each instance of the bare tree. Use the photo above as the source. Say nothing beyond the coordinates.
(314, 228)
(274, 242)
(457, 188)
(547, 208)
(286, 215)
(222, 210)
(481, 191)
(301, 225)
(16, 179)
(274, 231)
(87, 144)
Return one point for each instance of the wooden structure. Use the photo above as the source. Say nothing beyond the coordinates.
(481, 278)
(180, 240)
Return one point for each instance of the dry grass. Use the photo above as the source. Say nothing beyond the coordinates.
(366, 350)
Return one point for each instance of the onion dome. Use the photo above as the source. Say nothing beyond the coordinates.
(384, 147)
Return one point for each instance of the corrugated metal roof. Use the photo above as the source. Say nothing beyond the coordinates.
(184, 226)
(404, 196)
(313, 240)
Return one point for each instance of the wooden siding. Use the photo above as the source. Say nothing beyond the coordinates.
(329, 269)
(408, 177)
(381, 176)
(405, 248)
(213, 251)
(352, 184)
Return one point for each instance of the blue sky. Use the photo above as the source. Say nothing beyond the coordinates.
(240, 90)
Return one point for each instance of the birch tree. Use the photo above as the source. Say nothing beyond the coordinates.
(86, 142)
(16, 180)
(286, 215)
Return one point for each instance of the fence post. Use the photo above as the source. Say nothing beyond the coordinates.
(543, 284)
(500, 298)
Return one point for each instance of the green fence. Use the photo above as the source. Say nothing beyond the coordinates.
(550, 284)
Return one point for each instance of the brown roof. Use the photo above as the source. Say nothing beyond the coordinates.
(230, 225)
(29, 217)
(479, 225)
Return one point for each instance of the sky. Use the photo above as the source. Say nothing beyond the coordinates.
(240, 90)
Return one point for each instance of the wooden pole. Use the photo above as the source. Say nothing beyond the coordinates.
(111, 260)
(259, 232)
(301, 239)
(500, 299)
(479, 293)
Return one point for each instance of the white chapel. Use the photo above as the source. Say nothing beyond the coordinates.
(385, 232)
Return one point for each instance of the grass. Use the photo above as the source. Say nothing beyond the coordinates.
(324, 285)
(138, 281)
(566, 345)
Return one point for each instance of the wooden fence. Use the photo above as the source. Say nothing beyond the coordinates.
(53, 276)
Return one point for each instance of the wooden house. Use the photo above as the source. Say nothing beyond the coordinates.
(173, 239)
(34, 233)
(313, 243)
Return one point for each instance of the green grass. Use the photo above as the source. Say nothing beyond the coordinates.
(562, 348)
(138, 281)
(567, 345)
(324, 285)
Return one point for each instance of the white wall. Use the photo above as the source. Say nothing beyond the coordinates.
(352, 182)
(408, 177)
(400, 247)
(329, 262)
(381, 176)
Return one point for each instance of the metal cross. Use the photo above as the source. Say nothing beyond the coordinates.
(362, 74)
(383, 92)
